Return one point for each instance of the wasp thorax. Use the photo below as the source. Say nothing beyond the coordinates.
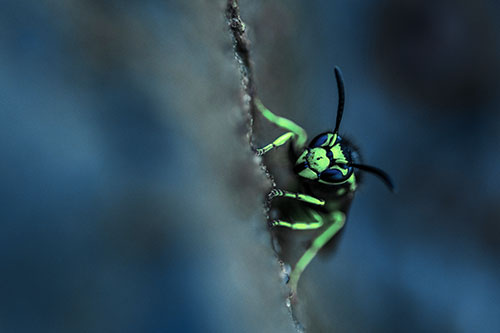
(317, 159)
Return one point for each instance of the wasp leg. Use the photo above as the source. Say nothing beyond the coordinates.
(300, 134)
(297, 225)
(338, 221)
(318, 223)
(276, 143)
(298, 196)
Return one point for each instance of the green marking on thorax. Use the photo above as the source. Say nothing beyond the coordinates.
(341, 191)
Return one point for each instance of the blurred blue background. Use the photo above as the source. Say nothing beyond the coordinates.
(129, 197)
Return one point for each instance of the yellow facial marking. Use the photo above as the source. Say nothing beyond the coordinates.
(338, 154)
(318, 160)
(309, 174)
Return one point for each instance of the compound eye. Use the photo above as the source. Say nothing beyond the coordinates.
(319, 141)
(323, 140)
(332, 176)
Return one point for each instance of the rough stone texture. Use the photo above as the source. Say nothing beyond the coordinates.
(143, 208)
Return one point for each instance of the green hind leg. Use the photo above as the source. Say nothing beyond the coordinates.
(276, 143)
(297, 196)
(338, 219)
(300, 135)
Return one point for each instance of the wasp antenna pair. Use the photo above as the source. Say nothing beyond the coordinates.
(340, 112)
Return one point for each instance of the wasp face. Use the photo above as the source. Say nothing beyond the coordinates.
(326, 161)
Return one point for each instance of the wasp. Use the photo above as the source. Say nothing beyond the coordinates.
(328, 172)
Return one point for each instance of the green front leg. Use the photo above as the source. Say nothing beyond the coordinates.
(297, 225)
(315, 224)
(300, 134)
(298, 196)
(338, 221)
(276, 143)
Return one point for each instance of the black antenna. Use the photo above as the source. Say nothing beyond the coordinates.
(378, 172)
(340, 86)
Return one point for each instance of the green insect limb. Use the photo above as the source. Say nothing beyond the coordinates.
(297, 225)
(300, 137)
(338, 219)
(318, 223)
(276, 143)
(298, 196)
